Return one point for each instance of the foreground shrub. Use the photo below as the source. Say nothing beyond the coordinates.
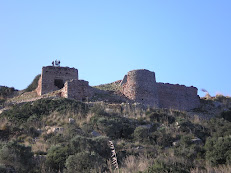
(84, 162)
(56, 157)
(218, 150)
(17, 156)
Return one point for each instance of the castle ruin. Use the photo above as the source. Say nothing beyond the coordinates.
(141, 86)
(137, 86)
(66, 80)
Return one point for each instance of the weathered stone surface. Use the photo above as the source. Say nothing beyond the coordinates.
(54, 78)
(140, 86)
(177, 96)
(76, 89)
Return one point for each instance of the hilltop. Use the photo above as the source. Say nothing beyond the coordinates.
(52, 133)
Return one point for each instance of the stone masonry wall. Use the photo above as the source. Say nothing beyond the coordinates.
(53, 78)
(76, 89)
(140, 86)
(177, 96)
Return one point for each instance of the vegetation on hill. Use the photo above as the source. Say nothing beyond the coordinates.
(52, 135)
(33, 84)
(115, 86)
(5, 92)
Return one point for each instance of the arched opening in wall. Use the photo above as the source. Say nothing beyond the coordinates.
(59, 83)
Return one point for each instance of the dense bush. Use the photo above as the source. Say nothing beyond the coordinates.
(97, 144)
(226, 115)
(17, 156)
(113, 126)
(6, 91)
(160, 166)
(20, 114)
(218, 150)
(84, 161)
(33, 84)
(57, 156)
(141, 134)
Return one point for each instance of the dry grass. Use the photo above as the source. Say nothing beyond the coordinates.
(27, 96)
(208, 169)
(135, 164)
(40, 145)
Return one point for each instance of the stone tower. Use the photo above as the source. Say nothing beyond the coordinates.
(53, 78)
(140, 86)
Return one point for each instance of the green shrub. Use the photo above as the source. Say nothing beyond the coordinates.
(141, 134)
(97, 144)
(226, 115)
(113, 126)
(18, 156)
(30, 112)
(6, 91)
(218, 150)
(163, 167)
(83, 162)
(33, 84)
(56, 157)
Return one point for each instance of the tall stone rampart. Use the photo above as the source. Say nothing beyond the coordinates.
(53, 78)
(140, 86)
(177, 96)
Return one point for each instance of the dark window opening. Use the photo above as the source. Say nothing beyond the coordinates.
(59, 83)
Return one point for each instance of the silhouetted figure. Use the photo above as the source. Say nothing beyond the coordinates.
(53, 63)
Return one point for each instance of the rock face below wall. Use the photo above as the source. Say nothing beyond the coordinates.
(140, 86)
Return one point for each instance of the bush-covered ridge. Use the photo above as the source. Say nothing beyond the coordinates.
(33, 84)
(51, 135)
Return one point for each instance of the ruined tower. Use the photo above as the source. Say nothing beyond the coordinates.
(53, 78)
(140, 86)
(65, 80)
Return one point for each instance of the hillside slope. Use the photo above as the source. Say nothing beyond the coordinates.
(55, 134)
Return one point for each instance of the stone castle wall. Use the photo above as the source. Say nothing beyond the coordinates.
(76, 89)
(177, 96)
(65, 80)
(140, 86)
(53, 78)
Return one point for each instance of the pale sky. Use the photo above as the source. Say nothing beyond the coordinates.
(183, 42)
